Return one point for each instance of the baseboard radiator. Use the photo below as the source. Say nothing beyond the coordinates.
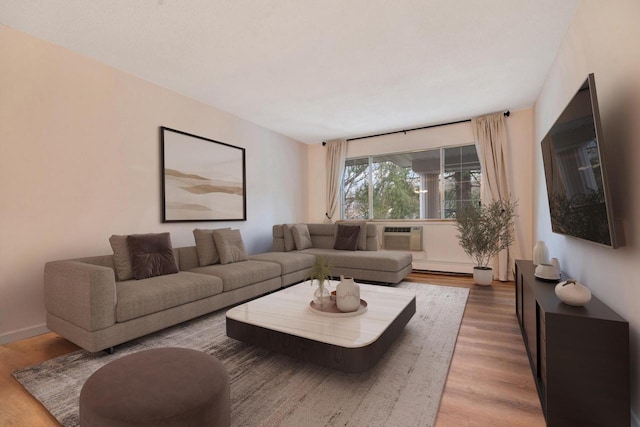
(402, 238)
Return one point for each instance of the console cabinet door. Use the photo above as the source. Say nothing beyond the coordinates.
(519, 283)
(529, 325)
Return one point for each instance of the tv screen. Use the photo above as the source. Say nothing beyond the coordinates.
(575, 172)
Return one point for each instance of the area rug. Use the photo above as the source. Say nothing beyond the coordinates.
(268, 389)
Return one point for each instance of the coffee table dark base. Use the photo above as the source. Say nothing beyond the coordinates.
(358, 359)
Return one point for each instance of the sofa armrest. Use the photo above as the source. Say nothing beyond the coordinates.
(80, 293)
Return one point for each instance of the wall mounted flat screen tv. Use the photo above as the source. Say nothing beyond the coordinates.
(575, 173)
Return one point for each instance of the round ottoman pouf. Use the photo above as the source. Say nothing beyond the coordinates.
(158, 387)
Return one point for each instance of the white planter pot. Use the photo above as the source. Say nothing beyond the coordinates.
(483, 276)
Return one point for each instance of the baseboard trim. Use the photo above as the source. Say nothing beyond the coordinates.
(444, 266)
(20, 334)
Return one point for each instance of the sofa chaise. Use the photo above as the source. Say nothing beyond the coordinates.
(365, 262)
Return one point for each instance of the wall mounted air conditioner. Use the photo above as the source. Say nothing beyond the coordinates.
(402, 238)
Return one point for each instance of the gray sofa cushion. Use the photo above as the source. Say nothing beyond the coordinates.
(136, 298)
(289, 262)
(322, 235)
(365, 260)
(240, 274)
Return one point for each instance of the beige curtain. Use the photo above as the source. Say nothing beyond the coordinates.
(336, 154)
(491, 142)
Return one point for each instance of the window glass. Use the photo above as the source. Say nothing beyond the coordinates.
(396, 187)
(462, 178)
(355, 189)
(427, 184)
(427, 165)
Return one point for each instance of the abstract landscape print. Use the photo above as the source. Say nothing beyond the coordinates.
(202, 179)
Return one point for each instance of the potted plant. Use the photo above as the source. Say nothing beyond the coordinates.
(321, 272)
(484, 231)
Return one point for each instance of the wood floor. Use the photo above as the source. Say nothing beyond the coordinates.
(489, 382)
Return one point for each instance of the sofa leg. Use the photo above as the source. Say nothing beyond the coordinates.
(110, 350)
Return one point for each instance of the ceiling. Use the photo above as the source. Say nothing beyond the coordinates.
(317, 70)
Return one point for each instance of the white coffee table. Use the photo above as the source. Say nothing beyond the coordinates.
(284, 322)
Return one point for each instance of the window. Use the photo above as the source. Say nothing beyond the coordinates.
(462, 178)
(428, 184)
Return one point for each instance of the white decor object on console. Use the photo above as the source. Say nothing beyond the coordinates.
(347, 295)
(573, 293)
(540, 253)
(547, 272)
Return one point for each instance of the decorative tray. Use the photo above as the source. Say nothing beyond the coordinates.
(331, 309)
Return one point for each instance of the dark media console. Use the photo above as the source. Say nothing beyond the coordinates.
(579, 356)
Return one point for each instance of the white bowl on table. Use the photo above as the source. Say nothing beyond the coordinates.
(547, 272)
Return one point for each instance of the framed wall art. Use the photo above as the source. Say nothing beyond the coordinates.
(202, 179)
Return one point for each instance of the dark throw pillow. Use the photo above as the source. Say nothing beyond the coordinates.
(362, 239)
(347, 237)
(151, 255)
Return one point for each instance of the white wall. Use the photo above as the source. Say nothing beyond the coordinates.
(603, 39)
(80, 160)
(441, 249)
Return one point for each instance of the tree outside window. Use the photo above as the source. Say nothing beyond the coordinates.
(427, 184)
(355, 189)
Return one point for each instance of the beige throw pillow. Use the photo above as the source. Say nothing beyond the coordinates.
(230, 246)
(362, 237)
(301, 236)
(121, 259)
(205, 247)
(289, 243)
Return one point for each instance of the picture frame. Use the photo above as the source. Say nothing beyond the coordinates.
(202, 179)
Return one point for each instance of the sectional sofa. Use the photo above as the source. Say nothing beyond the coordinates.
(97, 304)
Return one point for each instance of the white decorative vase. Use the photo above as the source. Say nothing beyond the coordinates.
(540, 253)
(347, 295)
(483, 275)
(555, 263)
(573, 293)
(321, 296)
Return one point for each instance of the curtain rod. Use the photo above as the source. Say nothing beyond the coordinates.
(506, 114)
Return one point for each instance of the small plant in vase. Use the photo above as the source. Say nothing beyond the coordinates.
(484, 231)
(321, 272)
